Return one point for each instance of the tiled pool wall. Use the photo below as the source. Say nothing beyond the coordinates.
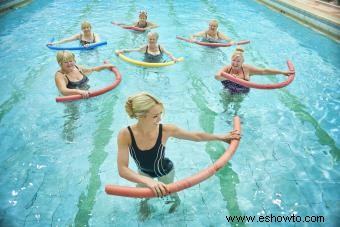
(6, 5)
(320, 24)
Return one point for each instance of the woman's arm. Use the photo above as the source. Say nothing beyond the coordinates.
(169, 54)
(198, 34)
(96, 37)
(263, 71)
(72, 38)
(218, 74)
(140, 49)
(174, 131)
(96, 68)
(61, 84)
(224, 37)
(151, 25)
(123, 140)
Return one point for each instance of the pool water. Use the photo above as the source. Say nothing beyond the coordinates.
(56, 158)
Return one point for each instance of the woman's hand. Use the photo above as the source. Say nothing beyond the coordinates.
(108, 66)
(287, 73)
(119, 52)
(232, 135)
(159, 188)
(84, 94)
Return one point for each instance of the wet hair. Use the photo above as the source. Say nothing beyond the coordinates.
(63, 56)
(153, 33)
(139, 104)
(85, 24)
(238, 53)
(143, 12)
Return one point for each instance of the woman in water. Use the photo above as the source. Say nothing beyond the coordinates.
(243, 71)
(72, 79)
(145, 141)
(212, 34)
(85, 38)
(153, 52)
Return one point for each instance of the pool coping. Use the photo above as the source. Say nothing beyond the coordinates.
(308, 16)
(12, 5)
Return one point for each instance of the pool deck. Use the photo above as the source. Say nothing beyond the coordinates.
(324, 12)
(321, 9)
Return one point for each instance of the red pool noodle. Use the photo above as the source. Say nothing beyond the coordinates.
(94, 93)
(249, 84)
(212, 44)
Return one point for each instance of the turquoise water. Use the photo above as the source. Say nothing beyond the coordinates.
(55, 158)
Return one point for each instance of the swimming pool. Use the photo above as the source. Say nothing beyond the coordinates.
(55, 158)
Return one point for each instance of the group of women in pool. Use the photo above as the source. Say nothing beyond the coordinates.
(145, 140)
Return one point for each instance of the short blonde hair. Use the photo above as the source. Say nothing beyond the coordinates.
(213, 21)
(238, 53)
(85, 24)
(139, 104)
(63, 56)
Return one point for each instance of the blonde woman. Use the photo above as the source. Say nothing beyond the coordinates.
(212, 34)
(72, 79)
(243, 71)
(85, 38)
(142, 22)
(145, 141)
(153, 52)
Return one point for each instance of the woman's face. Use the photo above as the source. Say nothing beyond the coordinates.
(236, 61)
(86, 29)
(154, 115)
(67, 65)
(213, 26)
(152, 39)
(142, 18)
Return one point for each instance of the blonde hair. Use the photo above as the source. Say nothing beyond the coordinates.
(64, 56)
(85, 24)
(213, 21)
(139, 104)
(238, 53)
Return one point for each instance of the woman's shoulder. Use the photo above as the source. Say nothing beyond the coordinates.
(124, 135)
(169, 127)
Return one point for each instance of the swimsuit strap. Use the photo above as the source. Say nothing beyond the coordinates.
(244, 75)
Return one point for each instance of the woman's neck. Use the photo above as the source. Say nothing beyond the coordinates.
(145, 128)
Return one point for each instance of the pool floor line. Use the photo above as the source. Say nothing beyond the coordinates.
(101, 138)
(228, 188)
(87, 199)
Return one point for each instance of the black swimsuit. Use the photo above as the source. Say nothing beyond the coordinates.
(140, 26)
(80, 84)
(153, 58)
(152, 161)
(234, 88)
(84, 42)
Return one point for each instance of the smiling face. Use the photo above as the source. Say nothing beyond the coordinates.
(237, 61)
(66, 60)
(154, 116)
